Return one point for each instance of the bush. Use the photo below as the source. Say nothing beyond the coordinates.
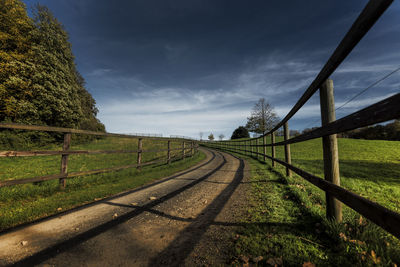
(240, 132)
(22, 140)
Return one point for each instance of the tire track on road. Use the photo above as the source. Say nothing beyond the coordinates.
(47, 254)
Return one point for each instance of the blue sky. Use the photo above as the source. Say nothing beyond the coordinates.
(183, 67)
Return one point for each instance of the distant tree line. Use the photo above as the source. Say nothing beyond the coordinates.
(39, 81)
(263, 118)
(390, 131)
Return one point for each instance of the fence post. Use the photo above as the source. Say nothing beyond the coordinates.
(183, 150)
(330, 149)
(191, 149)
(64, 159)
(273, 148)
(139, 153)
(255, 147)
(169, 152)
(257, 150)
(251, 148)
(264, 148)
(287, 148)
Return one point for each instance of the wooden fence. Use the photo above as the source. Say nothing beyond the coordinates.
(187, 149)
(382, 111)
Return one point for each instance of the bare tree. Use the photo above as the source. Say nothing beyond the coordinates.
(221, 137)
(262, 118)
(201, 135)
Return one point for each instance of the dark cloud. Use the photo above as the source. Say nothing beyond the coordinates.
(220, 55)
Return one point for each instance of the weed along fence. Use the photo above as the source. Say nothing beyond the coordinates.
(175, 148)
(382, 111)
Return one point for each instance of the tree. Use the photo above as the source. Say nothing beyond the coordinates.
(16, 65)
(39, 81)
(240, 132)
(211, 137)
(221, 137)
(201, 135)
(262, 118)
(55, 81)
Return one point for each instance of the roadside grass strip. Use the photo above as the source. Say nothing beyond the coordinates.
(28, 202)
(285, 224)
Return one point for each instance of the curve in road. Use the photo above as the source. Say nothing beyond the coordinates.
(158, 224)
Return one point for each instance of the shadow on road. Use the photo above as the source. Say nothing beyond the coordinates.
(178, 250)
(76, 240)
(16, 228)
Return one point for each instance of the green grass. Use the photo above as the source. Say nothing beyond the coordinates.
(286, 217)
(28, 202)
(370, 168)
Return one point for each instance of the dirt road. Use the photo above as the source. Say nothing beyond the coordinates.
(179, 220)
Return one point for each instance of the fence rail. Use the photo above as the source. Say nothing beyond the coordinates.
(187, 149)
(382, 216)
(369, 15)
(382, 111)
(17, 126)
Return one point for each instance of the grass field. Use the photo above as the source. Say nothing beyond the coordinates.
(286, 217)
(28, 202)
(370, 168)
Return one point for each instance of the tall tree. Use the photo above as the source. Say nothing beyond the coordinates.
(262, 118)
(221, 137)
(55, 83)
(16, 66)
(211, 137)
(39, 82)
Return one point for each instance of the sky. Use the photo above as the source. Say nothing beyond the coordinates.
(183, 67)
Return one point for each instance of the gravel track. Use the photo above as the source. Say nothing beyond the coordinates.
(184, 219)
